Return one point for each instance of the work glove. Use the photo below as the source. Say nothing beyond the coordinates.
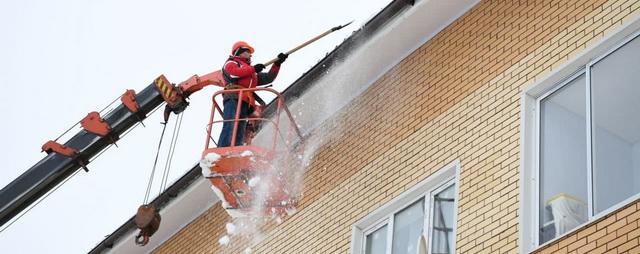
(281, 58)
(258, 67)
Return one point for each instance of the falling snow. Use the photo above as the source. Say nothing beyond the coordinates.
(254, 181)
(291, 211)
(224, 240)
(231, 228)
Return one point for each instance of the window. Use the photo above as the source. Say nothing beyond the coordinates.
(442, 230)
(377, 241)
(582, 142)
(428, 210)
(563, 158)
(407, 228)
(615, 126)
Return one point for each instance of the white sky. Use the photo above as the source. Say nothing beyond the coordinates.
(60, 60)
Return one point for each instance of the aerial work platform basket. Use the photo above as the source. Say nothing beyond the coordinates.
(259, 177)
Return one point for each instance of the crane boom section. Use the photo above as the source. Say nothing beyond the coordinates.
(56, 167)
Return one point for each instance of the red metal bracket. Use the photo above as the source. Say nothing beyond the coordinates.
(93, 123)
(129, 101)
(55, 147)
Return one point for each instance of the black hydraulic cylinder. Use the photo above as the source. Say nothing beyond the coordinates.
(55, 168)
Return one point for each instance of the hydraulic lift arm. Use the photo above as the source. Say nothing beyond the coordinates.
(196, 83)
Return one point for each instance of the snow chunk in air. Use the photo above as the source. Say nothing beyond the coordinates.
(291, 211)
(246, 153)
(231, 229)
(224, 240)
(254, 181)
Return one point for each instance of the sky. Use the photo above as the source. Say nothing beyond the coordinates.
(60, 60)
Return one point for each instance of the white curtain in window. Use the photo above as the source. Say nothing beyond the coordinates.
(568, 213)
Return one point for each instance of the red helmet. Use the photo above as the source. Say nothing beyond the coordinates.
(239, 45)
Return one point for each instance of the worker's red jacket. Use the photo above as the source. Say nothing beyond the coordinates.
(238, 73)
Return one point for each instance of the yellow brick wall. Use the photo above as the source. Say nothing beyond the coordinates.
(618, 232)
(455, 98)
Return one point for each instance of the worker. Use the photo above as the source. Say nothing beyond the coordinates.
(239, 74)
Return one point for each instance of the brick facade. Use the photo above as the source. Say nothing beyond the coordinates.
(457, 97)
(618, 232)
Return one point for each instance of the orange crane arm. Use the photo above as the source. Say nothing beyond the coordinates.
(196, 83)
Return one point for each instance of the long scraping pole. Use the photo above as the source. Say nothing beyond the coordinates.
(309, 42)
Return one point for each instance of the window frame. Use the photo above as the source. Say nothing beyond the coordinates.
(431, 207)
(389, 221)
(538, 121)
(373, 229)
(591, 160)
(385, 215)
(530, 135)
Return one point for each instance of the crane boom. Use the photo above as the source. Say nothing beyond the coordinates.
(56, 167)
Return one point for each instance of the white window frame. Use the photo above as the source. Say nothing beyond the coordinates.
(384, 215)
(375, 227)
(529, 133)
(536, 168)
(430, 207)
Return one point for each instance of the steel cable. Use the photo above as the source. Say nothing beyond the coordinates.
(155, 163)
(172, 149)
